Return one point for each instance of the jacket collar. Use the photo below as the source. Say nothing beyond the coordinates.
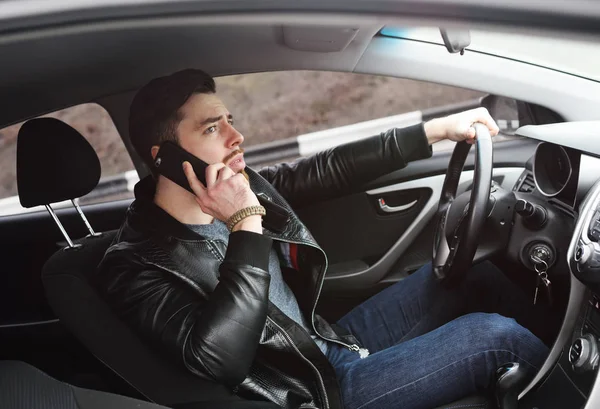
(154, 219)
(148, 216)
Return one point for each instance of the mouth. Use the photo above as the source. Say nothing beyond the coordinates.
(236, 159)
(237, 162)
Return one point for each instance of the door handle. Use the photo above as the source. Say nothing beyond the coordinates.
(393, 209)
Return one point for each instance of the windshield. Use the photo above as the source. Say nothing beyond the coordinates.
(575, 57)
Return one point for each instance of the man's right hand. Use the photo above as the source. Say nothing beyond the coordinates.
(224, 194)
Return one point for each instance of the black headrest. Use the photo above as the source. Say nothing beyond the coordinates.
(54, 163)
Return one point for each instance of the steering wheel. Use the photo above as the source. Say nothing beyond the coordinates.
(455, 243)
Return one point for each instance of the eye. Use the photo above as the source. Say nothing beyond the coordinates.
(230, 122)
(211, 129)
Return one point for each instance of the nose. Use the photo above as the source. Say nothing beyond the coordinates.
(234, 138)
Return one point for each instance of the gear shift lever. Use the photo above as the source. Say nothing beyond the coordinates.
(509, 381)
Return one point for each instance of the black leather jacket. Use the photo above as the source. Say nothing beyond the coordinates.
(207, 303)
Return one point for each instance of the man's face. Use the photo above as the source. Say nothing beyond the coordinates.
(207, 132)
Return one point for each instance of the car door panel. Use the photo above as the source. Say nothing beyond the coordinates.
(368, 251)
(360, 216)
(354, 235)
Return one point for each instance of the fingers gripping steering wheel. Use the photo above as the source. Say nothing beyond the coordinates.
(454, 246)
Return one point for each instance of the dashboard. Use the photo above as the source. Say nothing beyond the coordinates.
(564, 176)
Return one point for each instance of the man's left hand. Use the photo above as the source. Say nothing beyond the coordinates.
(459, 127)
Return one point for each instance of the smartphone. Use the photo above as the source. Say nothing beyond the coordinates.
(169, 163)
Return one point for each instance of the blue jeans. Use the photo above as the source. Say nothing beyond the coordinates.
(431, 345)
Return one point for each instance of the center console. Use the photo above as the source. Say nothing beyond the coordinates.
(568, 378)
(583, 353)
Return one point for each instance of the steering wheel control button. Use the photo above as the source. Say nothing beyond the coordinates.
(534, 216)
(583, 354)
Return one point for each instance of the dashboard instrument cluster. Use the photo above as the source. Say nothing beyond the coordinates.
(556, 171)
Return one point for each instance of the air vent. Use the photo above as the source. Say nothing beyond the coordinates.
(525, 183)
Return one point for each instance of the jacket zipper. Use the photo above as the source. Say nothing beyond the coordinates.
(291, 342)
(363, 352)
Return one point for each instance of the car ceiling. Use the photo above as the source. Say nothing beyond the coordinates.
(46, 65)
(64, 67)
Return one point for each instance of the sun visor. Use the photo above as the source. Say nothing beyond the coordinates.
(318, 39)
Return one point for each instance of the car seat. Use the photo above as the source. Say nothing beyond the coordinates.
(56, 163)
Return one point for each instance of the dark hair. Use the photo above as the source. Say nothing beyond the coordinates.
(154, 113)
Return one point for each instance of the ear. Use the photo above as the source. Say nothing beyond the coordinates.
(154, 151)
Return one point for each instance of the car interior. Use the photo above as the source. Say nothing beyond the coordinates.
(61, 345)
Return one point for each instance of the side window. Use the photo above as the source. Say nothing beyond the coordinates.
(95, 124)
(283, 115)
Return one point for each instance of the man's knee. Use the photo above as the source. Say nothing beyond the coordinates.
(496, 331)
(504, 337)
(494, 325)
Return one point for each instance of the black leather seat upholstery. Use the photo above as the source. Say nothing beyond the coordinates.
(65, 274)
(90, 319)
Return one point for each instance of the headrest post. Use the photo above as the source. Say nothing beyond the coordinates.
(60, 226)
(85, 220)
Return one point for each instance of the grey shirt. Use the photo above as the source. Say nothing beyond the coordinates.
(279, 293)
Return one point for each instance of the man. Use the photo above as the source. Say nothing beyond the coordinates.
(230, 290)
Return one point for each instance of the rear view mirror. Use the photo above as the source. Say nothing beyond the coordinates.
(456, 40)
